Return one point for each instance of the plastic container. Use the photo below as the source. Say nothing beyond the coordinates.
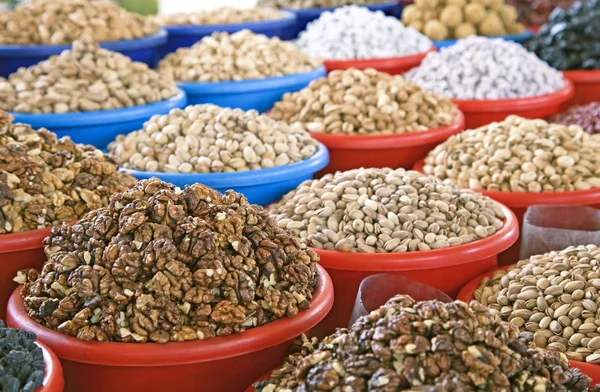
(587, 86)
(518, 38)
(220, 364)
(354, 151)
(534, 29)
(53, 374)
(261, 187)
(257, 94)
(101, 127)
(466, 295)
(182, 36)
(307, 15)
(482, 112)
(447, 270)
(390, 65)
(144, 50)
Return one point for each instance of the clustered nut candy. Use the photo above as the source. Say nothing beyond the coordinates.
(45, 181)
(239, 56)
(298, 4)
(455, 19)
(519, 155)
(486, 69)
(555, 297)
(386, 211)
(162, 264)
(586, 116)
(366, 102)
(427, 346)
(536, 12)
(211, 139)
(222, 15)
(21, 361)
(83, 79)
(354, 32)
(53, 22)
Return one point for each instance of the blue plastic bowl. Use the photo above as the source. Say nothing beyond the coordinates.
(187, 35)
(518, 38)
(257, 94)
(101, 127)
(144, 50)
(261, 187)
(307, 15)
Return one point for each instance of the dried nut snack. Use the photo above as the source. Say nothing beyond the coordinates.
(519, 155)
(366, 102)
(83, 79)
(386, 211)
(161, 264)
(211, 139)
(586, 116)
(21, 361)
(555, 297)
(238, 56)
(427, 346)
(299, 4)
(45, 181)
(221, 15)
(43, 22)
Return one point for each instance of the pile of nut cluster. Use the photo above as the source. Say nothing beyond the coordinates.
(386, 211)
(162, 264)
(21, 361)
(354, 102)
(239, 56)
(555, 296)
(486, 69)
(354, 32)
(454, 19)
(45, 181)
(43, 22)
(536, 12)
(586, 116)
(222, 15)
(519, 155)
(427, 346)
(83, 79)
(211, 139)
(298, 4)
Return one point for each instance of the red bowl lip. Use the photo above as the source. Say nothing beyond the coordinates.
(53, 373)
(518, 104)
(410, 139)
(170, 354)
(527, 199)
(30, 239)
(583, 76)
(378, 62)
(423, 260)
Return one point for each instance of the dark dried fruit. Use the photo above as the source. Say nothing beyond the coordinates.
(427, 346)
(586, 116)
(536, 12)
(21, 361)
(163, 264)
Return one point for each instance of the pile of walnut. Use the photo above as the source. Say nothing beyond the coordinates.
(454, 19)
(222, 15)
(162, 264)
(427, 346)
(84, 79)
(45, 181)
(43, 22)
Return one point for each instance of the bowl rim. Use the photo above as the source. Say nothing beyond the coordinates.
(310, 11)
(53, 373)
(177, 353)
(583, 76)
(518, 37)
(313, 164)
(199, 29)
(25, 240)
(99, 117)
(423, 260)
(380, 61)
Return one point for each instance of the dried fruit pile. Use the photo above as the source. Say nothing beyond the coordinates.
(586, 116)
(221, 15)
(427, 346)
(21, 361)
(45, 181)
(300, 4)
(162, 264)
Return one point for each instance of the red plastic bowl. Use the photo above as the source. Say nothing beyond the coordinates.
(587, 86)
(533, 29)
(482, 112)
(447, 270)
(355, 151)
(53, 374)
(466, 295)
(391, 65)
(226, 363)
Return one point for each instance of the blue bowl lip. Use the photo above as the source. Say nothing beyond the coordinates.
(84, 119)
(315, 11)
(182, 30)
(157, 39)
(509, 37)
(252, 85)
(248, 178)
